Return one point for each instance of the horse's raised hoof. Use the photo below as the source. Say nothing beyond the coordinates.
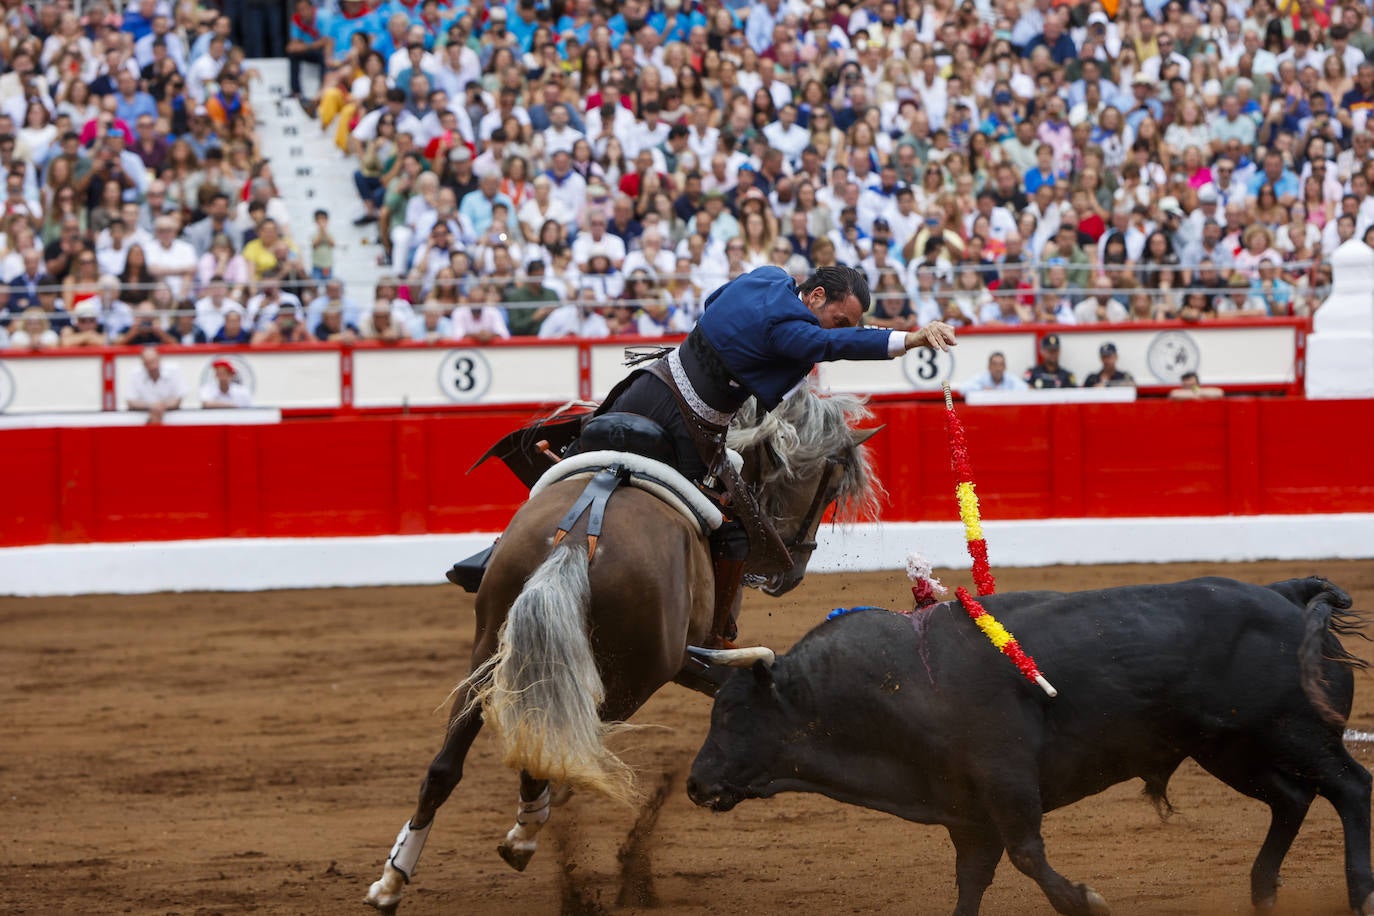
(1097, 905)
(385, 893)
(1366, 908)
(516, 853)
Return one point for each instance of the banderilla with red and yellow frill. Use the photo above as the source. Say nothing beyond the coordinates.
(997, 634)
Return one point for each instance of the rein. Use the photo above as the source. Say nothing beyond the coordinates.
(800, 541)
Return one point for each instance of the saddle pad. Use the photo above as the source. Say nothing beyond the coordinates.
(655, 477)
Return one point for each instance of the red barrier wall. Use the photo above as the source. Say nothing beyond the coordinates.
(406, 475)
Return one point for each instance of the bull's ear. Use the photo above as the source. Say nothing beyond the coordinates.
(763, 675)
(860, 436)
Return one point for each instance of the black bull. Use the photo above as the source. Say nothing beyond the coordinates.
(923, 718)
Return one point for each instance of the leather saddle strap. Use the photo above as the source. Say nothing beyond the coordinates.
(592, 502)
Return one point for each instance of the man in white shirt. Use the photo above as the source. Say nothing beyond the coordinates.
(169, 258)
(569, 187)
(597, 238)
(1152, 66)
(205, 69)
(648, 133)
(702, 138)
(995, 379)
(622, 119)
(560, 134)
(432, 122)
(1000, 223)
(786, 136)
(406, 123)
(211, 307)
(506, 107)
(570, 320)
(155, 388)
(223, 391)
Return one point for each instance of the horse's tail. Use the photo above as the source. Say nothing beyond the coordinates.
(541, 691)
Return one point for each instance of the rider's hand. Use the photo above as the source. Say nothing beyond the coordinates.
(937, 335)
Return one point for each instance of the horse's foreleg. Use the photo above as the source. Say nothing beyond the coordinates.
(535, 801)
(445, 772)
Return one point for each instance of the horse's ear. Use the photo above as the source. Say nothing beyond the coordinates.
(860, 436)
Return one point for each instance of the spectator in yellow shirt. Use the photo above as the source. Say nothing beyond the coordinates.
(261, 253)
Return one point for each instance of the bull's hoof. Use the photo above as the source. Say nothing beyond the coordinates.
(516, 854)
(1366, 908)
(1097, 905)
(1265, 904)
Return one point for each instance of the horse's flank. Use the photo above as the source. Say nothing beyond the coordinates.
(567, 646)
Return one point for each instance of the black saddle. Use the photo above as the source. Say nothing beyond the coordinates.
(627, 432)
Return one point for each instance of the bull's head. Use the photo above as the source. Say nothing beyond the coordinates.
(749, 727)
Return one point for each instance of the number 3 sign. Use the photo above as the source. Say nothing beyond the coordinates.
(927, 369)
(464, 376)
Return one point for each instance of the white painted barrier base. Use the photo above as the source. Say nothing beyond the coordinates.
(257, 564)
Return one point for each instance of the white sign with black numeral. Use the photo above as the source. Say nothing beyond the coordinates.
(464, 376)
(927, 368)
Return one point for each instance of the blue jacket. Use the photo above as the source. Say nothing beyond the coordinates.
(770, 341)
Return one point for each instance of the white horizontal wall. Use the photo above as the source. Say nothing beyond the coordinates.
(255, 564)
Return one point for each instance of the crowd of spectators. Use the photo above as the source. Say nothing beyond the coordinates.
(137, 207)
(984, 161)
(587, 168)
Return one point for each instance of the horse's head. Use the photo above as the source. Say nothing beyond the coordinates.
(802, 458)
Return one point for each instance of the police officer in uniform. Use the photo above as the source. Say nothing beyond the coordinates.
(1048, 373)
(760, 335)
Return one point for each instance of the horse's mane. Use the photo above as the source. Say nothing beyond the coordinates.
(804, 430)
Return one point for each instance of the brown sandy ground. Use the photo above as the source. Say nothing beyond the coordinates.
(256, 753)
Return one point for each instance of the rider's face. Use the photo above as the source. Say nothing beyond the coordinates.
(841, 313)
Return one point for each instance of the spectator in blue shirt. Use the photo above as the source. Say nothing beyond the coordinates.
(523, 24)
(138, 18)
(1285, 183)
(476, 206)
(130, 103)
(1043, 173)
(673, 24)
(758, 28)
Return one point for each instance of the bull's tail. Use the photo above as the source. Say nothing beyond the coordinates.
(541, 691)
(1326, 618)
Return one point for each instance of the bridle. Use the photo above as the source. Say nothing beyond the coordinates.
(825, 494)
(803, 543)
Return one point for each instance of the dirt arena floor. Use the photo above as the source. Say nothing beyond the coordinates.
(256, 753)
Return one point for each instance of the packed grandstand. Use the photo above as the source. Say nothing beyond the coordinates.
(579, 169)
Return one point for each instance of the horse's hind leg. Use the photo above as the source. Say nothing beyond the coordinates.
(444, 774)
(533, 812)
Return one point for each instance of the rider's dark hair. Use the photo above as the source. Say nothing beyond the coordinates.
(839, 283)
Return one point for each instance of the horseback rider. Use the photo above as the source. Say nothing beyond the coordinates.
(760, 335)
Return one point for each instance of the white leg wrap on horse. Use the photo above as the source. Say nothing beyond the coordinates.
(405, 855)
(534, 813)
(529, 818)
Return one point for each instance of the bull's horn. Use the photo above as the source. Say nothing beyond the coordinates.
(735, 658)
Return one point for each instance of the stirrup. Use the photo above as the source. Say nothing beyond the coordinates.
(467, 574)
